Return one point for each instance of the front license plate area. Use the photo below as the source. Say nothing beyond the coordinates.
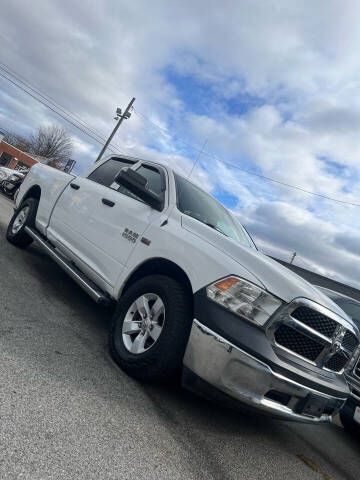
(312, 405)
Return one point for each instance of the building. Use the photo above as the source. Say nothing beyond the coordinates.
(12, 157)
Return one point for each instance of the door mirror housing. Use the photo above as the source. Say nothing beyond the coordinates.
(137, 184)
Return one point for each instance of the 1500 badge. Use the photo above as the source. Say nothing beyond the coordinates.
(130, 235)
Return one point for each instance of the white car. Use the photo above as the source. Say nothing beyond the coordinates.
(8, 173)
(193, 293)
(5, 173)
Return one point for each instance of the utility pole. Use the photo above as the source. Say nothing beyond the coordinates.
(119, 119)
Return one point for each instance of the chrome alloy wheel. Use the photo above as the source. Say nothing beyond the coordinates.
(143, 323)
(20, 219)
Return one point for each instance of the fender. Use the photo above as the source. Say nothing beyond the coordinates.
(52, 183)
(172, 244)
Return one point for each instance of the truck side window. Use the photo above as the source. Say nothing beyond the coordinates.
(106, 173)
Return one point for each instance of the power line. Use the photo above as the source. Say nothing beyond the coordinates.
(249, 172)
(49, 107)
(289, 185)
(197, 158)
(46, 97)
(164, 130)
(56, 107)
(52, 101)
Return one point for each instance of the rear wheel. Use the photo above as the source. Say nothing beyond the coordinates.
(150, 328)
(24, 216)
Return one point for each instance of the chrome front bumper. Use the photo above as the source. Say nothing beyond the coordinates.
(249, 380)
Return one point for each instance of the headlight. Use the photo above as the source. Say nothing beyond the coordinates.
(244, 298)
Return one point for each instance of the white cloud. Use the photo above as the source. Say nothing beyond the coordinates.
(278, 94)
(319, 244)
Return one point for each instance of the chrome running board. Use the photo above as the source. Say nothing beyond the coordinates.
(85, 283)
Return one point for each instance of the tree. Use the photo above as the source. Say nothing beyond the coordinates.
(52, 142)
(17, 141)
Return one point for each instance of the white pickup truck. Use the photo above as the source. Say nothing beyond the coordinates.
(193, 293)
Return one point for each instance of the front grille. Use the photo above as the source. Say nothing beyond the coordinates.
(298, 343)
(357, 369)
(313, 336)
(337, 362)
(316, 320)
(350, 342)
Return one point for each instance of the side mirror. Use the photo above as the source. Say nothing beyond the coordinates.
(137, 184)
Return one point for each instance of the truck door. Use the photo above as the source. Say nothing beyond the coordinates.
(119, 220)
(114, 223)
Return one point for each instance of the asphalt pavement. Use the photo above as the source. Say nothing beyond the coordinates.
(68, 412)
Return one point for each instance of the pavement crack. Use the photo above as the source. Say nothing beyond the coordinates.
(314, 467)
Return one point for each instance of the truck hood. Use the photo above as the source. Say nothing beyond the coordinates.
(271, 275)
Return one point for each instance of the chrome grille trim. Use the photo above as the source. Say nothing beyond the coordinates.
(356, 371)
(331, 345)
(354, 394)
(302, 327)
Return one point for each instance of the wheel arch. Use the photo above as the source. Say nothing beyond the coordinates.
(159, 266)
(33, 192)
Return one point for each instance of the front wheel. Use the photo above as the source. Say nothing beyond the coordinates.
(24, 216)
(150, 328)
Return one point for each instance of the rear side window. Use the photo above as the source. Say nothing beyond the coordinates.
(106, 173)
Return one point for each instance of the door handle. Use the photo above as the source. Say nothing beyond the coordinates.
(107, 202)
(74, 186)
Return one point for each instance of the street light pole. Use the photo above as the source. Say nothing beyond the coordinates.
(125, 116)
(292, 258)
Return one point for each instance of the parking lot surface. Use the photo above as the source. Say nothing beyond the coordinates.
(68, 412)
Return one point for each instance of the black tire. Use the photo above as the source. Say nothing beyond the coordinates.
(347, 419)
(163, 361)
(20, 238)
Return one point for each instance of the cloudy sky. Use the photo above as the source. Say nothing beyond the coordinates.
(273, 88)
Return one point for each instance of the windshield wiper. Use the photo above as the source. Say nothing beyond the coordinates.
(216, 228)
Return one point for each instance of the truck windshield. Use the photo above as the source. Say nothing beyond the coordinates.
(196, 203)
